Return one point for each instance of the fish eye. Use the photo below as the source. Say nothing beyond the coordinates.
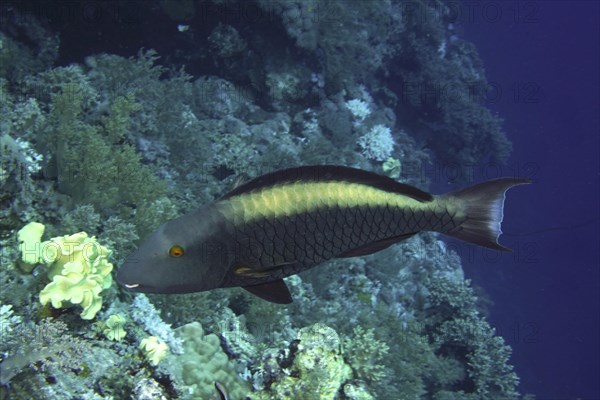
(176, 251)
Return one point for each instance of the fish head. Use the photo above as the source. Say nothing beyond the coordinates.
(181, 256)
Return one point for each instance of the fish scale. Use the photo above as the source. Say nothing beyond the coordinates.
(294, 240)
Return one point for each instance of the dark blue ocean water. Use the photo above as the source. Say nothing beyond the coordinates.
(544, 58)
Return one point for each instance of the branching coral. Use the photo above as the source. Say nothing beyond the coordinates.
(8, 321)
(48, 343)
(458, 332)
(377, 143)
(365, 354)
(486, 354)
(144, 313)
(443, 93)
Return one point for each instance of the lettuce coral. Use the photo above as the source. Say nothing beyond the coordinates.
(79, 271)
(154, 349)
(29, 238)
(115, 327)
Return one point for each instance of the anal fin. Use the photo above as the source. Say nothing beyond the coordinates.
(275, 292)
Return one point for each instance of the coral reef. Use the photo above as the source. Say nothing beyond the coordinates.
(54, 347)
(365, 355)
(144, 313)
(317, 369)
(440, 86)
(116, 144)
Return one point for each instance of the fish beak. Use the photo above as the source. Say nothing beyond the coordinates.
(132, 286)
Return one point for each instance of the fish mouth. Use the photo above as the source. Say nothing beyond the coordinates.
(128, 280)
(138, 287)
(134, 287)
(131, 286)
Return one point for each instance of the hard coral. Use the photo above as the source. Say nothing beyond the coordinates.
(378, 143)
(114, 327)
(154, 349)
(79, 271)
(54, 347)
(29, 237)
(318, 370)
(204, 362)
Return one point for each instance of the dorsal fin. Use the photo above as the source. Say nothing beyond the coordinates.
(324, 173)
(240, 180)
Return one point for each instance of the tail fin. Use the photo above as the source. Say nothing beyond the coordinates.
(483, 205)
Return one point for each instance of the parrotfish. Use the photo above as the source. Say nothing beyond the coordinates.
(288, 221)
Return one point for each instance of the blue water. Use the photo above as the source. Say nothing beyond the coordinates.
(546, 297)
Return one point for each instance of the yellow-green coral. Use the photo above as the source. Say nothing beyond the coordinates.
(79, 270)
(154, 349)
(29, 238)
(115, 327)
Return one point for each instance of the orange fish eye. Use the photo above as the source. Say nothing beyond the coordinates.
(176, 251)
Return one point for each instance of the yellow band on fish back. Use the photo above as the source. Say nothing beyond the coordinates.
(294, 198)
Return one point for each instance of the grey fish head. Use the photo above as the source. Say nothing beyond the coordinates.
(181, 256)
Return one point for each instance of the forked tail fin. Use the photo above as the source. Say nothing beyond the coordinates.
(483, 205)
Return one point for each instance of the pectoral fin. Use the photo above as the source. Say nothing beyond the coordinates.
(275, 292)
(243, 270)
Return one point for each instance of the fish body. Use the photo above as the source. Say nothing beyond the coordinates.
(287, 221)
